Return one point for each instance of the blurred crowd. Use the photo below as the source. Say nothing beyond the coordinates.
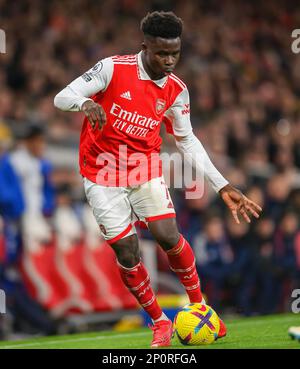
(244, 84)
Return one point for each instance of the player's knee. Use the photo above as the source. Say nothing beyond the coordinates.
(165, 232)
(127, 251)
(167, 241)
(128, 259)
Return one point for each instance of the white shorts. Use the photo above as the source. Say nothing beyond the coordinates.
(116, 209)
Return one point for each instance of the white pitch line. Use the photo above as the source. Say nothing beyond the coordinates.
(73, 340)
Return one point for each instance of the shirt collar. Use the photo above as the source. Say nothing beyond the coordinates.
(143, 75)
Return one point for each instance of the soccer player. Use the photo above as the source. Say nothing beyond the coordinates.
(125, 99)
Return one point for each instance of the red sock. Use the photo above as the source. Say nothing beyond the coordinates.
(137, 280)
(182, 262)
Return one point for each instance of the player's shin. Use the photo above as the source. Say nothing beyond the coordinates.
(137, 280)
(182, 262)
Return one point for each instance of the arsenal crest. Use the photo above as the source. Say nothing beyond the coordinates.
(160, 105)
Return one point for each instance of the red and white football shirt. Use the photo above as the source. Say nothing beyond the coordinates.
(125, 152)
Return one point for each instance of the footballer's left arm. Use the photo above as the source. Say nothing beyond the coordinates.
(187, 143)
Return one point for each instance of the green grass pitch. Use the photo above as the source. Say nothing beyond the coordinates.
(267, 332)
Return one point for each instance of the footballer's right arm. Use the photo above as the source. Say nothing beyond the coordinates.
(76, 96)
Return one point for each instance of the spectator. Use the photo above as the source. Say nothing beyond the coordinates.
(263, 280)
(26, 193)
(286, 257)
(214, 257)
(241, 278)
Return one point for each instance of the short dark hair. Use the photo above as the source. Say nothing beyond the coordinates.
(162, 24)
(34, 130)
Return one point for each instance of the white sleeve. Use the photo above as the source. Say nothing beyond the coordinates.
(189, 145)
(196, 155)
(179, 114)
(77, 92)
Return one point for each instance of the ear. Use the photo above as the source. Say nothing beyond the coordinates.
(144, 46)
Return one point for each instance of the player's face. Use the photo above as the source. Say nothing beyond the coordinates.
(161, 55)
(36, 146)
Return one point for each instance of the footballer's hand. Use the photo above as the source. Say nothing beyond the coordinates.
(239, 203)
(94, 113)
